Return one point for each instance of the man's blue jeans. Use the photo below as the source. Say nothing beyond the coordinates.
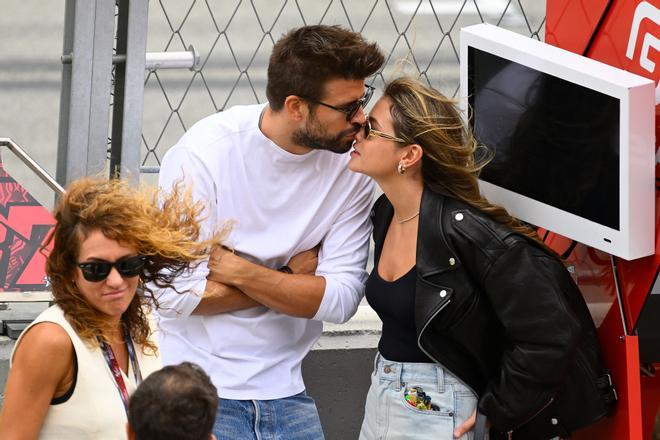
(290, 418)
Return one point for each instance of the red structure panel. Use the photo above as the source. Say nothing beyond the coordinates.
(571, 23)
(625, 34)
(24, 228)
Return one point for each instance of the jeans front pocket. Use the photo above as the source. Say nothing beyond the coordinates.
(442, 402)
(406, 421)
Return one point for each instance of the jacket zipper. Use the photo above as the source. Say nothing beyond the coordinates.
(428, 321)
(510, 432)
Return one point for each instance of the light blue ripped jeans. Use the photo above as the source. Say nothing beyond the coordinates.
(388, 416)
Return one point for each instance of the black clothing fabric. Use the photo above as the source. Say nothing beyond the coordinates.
(394, 301)
(504, 315)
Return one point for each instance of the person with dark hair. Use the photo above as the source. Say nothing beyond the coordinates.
(74, 367)
(178, 402)
(300, 242)
(481, 321)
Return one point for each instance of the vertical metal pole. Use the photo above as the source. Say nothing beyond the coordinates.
(65, 94)
(129, 90)
(84, 120)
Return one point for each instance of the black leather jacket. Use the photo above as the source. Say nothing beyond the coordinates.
(491, 307)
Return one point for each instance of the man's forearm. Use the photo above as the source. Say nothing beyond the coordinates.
(220, 298)
(295, 295)
(292, 294)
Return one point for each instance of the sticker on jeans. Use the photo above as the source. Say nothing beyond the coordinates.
(416, 397)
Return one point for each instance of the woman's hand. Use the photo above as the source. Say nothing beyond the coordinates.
(466, 425)
(305, 262)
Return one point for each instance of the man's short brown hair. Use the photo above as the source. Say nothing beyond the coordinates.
(178, 402)
(304, 59)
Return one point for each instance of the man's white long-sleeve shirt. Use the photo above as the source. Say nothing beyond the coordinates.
(281, 204)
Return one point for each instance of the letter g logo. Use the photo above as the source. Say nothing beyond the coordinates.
(644, 10)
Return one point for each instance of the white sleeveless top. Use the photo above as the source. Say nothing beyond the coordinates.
(95, 409)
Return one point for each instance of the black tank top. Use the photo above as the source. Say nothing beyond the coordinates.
(395, 304)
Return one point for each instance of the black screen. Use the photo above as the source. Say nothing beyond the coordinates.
(553, 141)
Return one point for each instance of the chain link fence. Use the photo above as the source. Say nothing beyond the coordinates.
(235, 39)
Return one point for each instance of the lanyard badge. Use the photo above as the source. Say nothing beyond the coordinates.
(111, 360)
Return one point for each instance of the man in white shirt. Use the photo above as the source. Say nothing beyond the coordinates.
(279, 173)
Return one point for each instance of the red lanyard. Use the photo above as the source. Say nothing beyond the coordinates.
(111, 359)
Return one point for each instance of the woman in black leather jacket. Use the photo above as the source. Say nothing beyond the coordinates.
(477, 312)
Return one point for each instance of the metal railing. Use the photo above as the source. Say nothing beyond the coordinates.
(30, 163)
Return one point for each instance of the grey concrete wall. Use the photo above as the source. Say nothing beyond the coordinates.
(338, 380)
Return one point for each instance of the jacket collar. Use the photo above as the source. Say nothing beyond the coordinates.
(433, 253)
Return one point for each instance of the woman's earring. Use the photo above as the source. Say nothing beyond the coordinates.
(401, 168)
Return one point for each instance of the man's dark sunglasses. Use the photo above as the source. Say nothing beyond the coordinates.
(350, 110)
(127, 267)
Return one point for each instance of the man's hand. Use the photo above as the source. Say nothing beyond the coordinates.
(219, 296)
(299, 294)
(305, 262)
(223, 265)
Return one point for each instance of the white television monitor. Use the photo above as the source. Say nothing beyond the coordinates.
(573, 139)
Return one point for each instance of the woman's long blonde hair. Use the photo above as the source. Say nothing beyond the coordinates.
(163, 228)
(452, 157)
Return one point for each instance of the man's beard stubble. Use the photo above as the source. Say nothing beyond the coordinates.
(315, 137)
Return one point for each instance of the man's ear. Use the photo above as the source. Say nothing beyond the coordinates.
(213, 437)
(296, 107)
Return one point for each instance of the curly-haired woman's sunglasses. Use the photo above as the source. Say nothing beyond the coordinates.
(127, 267)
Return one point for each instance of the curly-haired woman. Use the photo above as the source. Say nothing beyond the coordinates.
(74, 367)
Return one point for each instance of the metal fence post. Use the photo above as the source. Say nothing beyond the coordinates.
(85, 99)
(129, 89)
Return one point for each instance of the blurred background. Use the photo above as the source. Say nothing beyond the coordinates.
(234, 40)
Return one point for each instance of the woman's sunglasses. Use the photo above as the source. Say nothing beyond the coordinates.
(127, 267)
(368, 131)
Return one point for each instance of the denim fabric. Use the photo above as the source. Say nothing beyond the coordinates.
(290, 418)
(389, 416)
